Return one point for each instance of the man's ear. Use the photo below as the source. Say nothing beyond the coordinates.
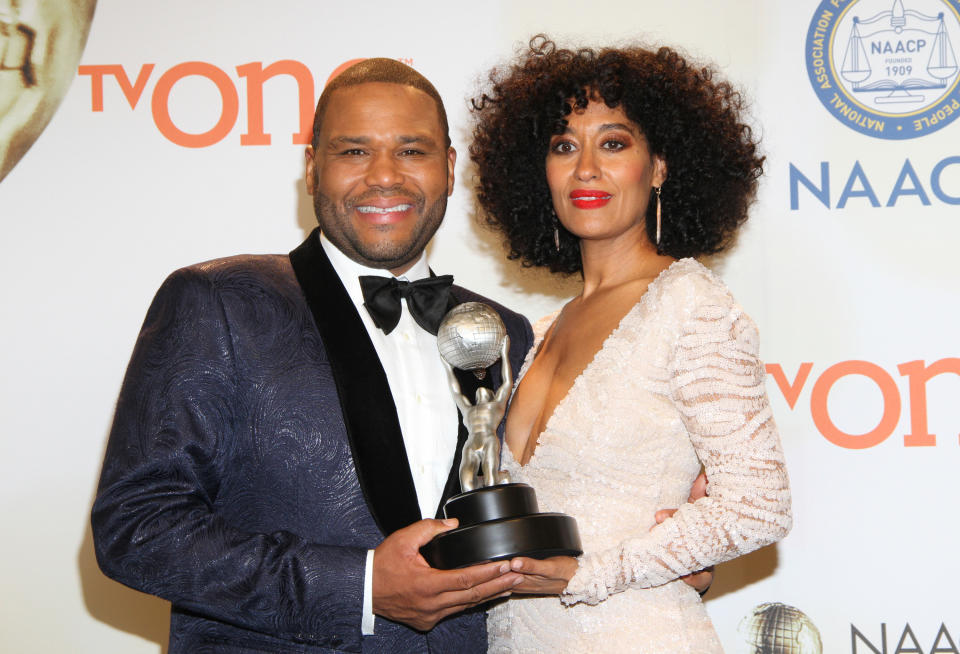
(310, 174)
(451, 165)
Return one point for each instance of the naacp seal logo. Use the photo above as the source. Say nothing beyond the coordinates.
(887, 68)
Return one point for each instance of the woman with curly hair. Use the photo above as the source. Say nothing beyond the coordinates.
(623, 164)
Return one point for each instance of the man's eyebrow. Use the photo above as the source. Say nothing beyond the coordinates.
(340, 141)
(426, 140)
(402, 139)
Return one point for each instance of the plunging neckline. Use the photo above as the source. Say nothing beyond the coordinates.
(638, 306)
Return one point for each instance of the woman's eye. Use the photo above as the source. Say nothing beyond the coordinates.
(613, 144)
(563, 147)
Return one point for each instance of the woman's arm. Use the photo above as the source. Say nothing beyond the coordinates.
(718, 387)
(550, 576)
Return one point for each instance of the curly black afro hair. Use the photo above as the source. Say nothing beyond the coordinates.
(689, 118)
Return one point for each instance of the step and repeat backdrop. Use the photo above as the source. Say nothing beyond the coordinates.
(138, 137)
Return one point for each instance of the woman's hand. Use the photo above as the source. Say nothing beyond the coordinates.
(701, 579)
(543, 577)
(551, 576)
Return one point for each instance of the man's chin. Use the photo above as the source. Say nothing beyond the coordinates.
(393, 263)
(388, 258)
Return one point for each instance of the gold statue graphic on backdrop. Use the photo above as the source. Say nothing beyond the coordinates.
(40, 45)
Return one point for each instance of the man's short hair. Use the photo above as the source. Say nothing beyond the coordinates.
(378, 69)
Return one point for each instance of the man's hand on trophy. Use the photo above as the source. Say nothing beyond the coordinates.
(701, 579)
(406, 589)
(544, 576)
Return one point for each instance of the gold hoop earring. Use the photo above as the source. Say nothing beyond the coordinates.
(657, 189)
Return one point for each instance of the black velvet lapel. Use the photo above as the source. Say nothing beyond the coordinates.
(365, 399)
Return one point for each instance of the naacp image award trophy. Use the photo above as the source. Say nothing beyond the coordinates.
(498, 519)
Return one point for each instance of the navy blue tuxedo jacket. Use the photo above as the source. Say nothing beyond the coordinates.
(256, 456)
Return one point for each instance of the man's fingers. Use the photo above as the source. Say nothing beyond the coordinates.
(457, 600)
(464, 579)
(406, 589)
(422, 532)
(453, 586)
(430, 528)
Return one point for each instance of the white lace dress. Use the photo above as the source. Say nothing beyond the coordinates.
(676, 384)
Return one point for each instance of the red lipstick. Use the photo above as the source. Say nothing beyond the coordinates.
(589, 198)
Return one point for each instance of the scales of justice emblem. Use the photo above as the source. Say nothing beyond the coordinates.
(894, 56)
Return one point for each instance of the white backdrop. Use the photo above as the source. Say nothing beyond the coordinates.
(106, 203)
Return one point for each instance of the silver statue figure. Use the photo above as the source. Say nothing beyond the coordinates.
(471, 327)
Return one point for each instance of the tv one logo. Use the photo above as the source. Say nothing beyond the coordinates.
(917, 373)
(255, 77)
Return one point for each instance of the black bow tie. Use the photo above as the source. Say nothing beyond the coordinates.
(427, 300)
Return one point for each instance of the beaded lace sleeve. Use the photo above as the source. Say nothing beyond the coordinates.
(717, 385)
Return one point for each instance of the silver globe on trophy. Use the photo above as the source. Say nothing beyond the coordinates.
(498, 519)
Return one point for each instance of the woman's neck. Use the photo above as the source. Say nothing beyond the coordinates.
(609, 264)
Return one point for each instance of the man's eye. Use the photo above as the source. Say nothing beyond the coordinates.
(353, 152)
(411, 153)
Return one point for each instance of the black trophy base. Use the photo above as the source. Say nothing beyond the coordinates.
(500, 522)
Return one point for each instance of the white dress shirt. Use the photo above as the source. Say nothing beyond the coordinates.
(418, 383)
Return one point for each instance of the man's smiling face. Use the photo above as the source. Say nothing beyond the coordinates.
(380, 173)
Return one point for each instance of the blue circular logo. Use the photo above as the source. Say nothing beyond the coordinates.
(887, 68)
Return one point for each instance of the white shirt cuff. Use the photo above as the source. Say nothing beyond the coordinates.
(366, 624)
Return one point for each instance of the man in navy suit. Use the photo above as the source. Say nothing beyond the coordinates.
(279, 449)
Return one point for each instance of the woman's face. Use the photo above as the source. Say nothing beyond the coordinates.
(601, 173)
